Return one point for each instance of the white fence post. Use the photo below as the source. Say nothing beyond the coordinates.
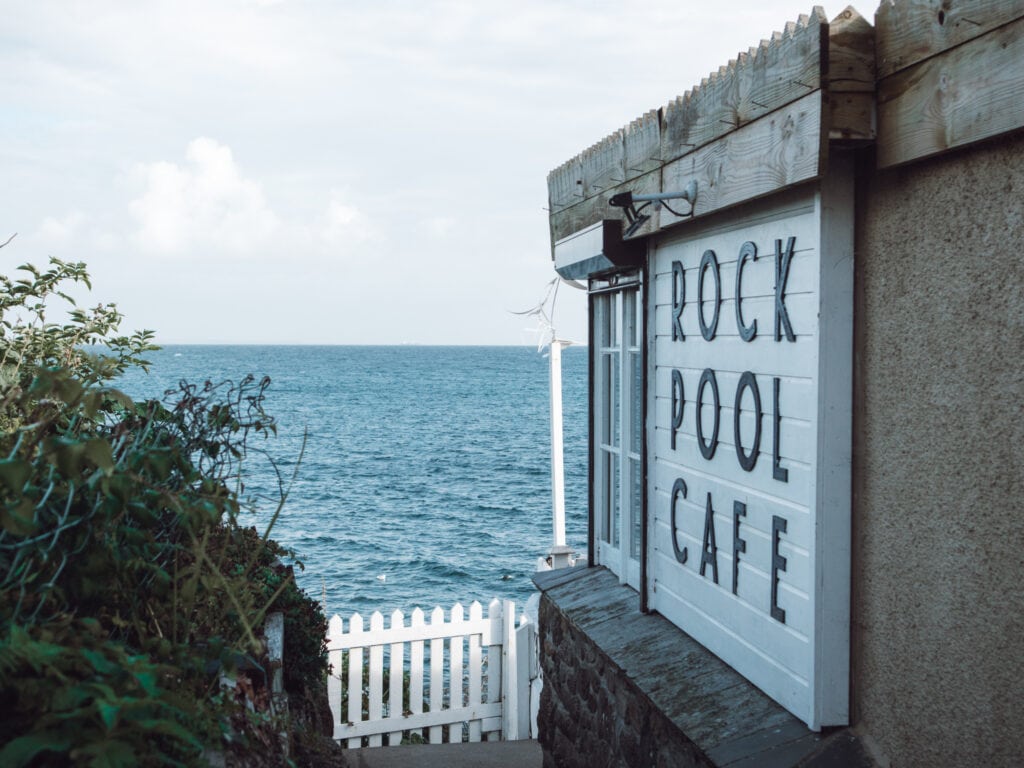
(416, 670)
(355, 676)
(523, 635)
(476, 615)
(376, 675)
(510, 692)
(397, 674)
(494, 667)
(437, 672)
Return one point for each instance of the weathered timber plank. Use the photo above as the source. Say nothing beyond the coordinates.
(972, 92)
(851, 78)
(565, 221)
(851, 53)
(603, 165)
(782, 149)
(909, 31)
(777, 72)
(643, 143)
(565, 184)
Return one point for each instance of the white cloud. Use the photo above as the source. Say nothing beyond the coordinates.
(344, 223)
(439, 226)
(60, 232)
(206, 203)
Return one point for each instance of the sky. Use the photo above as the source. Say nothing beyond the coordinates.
(328, 172)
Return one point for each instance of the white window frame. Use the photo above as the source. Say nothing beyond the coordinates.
(618, 540)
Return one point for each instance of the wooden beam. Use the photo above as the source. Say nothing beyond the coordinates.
(851, 78)
(965, 94)
(784, 148)
(566, 221)
(910, 31)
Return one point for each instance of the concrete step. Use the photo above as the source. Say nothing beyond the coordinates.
(484, 754)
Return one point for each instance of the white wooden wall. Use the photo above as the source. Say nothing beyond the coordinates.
(801, 661)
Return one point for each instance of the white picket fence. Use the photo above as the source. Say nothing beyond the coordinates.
(488, 697)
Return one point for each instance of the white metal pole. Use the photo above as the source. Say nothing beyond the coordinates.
(559, 551)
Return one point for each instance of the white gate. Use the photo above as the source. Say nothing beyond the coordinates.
(430, 682)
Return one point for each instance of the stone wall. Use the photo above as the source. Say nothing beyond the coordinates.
(938, 537)
(628, 690)
(591, 716)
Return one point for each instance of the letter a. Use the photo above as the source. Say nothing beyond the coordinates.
(709, 555)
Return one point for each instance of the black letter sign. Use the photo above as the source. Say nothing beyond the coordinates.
(778, 472)
(677, 404)
(778, 564)
(709, 555)
(678, 489)
(782, 261)
(708, 260)
(739, 509)
(748, 249)
(747, 460)
(678, 299)
(707, 450)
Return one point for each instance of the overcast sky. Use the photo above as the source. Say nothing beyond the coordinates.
(331, 172)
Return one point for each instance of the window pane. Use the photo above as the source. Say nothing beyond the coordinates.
(634, 508)
(614, 492)
(616, 403)
(603, 501)
(638, 320)
(636, 404)
(606, 389)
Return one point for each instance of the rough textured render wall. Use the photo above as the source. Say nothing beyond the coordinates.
(591, 715)
(938, 560)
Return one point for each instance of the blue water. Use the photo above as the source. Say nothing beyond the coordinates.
(429, 466)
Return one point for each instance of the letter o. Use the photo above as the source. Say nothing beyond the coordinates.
(747, 461)
(707, 450)
(708, 260)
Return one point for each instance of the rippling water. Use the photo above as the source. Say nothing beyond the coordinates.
(427, 466)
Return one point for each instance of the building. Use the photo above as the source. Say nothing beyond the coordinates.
(807, 408)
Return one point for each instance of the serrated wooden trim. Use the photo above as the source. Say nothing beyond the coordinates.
(779, 71)
(968, 93)
(810, 60)
(910, 31)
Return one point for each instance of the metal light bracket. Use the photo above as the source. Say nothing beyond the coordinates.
(627, 201)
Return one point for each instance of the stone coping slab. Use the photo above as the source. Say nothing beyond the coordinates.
(716, 709)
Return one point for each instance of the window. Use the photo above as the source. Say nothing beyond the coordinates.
(617, 441)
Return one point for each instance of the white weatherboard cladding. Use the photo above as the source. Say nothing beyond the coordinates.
(803, 661)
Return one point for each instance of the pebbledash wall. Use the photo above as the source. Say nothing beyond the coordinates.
(807, 537)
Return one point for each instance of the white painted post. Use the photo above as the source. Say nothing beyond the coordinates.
(475, 671)
(437, 673)
(376, 673)
(494, 677)
(455, 644)
(559, 553)
(522, 636)
(397, 674)
(416, 668)
(355, 678)
(335, 629)
(510, 692)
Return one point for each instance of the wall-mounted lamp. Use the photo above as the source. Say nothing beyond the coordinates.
(636, 219)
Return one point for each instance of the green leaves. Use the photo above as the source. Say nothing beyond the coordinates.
(14, 473)
(126, 584)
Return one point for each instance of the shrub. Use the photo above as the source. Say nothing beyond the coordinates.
(127, 585)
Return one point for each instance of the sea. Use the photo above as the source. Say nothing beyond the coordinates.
(425, 471)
